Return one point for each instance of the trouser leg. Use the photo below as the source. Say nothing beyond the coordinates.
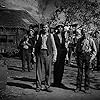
(38, 71)
(98, 60)
(47, 70)
(87, 72)
(69, 53)
(28, 60)
(23, 57)
(80, 73)
(58, 72)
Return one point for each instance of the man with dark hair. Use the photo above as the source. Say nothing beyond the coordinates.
(26, 47)
(45, 51)
(72, 41)
(85, 53)
(96, 38)
(59, 38)
(35, 29)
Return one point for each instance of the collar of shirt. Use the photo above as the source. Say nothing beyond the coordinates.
(43, 35)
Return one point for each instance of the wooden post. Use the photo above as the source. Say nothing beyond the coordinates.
(3, 74)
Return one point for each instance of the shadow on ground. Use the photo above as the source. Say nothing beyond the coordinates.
(63, 87)
(22, 82)
(14, 69)
(24, 79)
(21, 85)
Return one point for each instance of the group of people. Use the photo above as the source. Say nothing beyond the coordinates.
(51, 48)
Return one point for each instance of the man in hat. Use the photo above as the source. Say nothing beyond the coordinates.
(59, 38)
(85, 53)
(26, 48)
(72, 41)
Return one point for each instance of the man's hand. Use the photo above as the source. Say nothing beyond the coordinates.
(54, 60)
(90, 61)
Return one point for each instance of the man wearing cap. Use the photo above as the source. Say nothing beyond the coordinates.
(72, 41)
(85, 52)
(26, 47)
(59, 38)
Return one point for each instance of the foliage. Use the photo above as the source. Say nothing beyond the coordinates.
(84, 12)
(11, 51)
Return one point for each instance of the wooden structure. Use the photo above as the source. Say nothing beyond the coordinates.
(13, 25)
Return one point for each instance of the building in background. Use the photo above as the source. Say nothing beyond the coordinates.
(13, 25)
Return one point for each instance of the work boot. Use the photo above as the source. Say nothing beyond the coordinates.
(77, 90)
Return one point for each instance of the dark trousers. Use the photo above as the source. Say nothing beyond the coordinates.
(83, 63)
(26, 56)
(43, 62)
(98, 61)
(59, 67)
(58, 72)
(71, 49)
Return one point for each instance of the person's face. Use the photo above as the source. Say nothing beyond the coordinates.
(46, 28)
(74, 28)
(35, 28)
(52, 30)
(60, 28)
(85, 34)
(32, 32)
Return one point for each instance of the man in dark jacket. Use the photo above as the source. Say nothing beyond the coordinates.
(85, 52)
(26, 48)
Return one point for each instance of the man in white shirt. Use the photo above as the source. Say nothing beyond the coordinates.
(46, 53)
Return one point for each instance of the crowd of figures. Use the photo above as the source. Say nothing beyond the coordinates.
(56, 46)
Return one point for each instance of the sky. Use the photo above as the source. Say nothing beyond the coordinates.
(34, 7)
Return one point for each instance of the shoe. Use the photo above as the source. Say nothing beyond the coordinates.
(87, 91)
(77, 90)
(28, 70)
(23, 70)
(86, 88)
(55, 85)
(38, 89)
(49, 89)
(66, 61)
(31, 68)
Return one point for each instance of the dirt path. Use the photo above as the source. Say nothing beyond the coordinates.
(21, 86)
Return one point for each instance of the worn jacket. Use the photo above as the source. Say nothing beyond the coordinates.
(51, 47)
(88, 48)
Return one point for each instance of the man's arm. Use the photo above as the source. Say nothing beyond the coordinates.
(54, 48)
(94, 50)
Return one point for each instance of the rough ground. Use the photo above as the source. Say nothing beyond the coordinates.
(21, 86)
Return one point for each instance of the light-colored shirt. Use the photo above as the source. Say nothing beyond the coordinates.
(88, 46)
(54, 47)
(44, 46)
(44, 40)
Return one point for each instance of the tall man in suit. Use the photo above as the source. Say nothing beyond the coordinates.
(45, 50)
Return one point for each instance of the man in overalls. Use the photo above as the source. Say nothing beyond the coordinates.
(85, 53)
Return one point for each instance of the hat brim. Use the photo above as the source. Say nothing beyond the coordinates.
(74, 25)
(59, 26)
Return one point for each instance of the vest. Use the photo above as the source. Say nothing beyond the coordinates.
(83, 47)
(48, 43)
